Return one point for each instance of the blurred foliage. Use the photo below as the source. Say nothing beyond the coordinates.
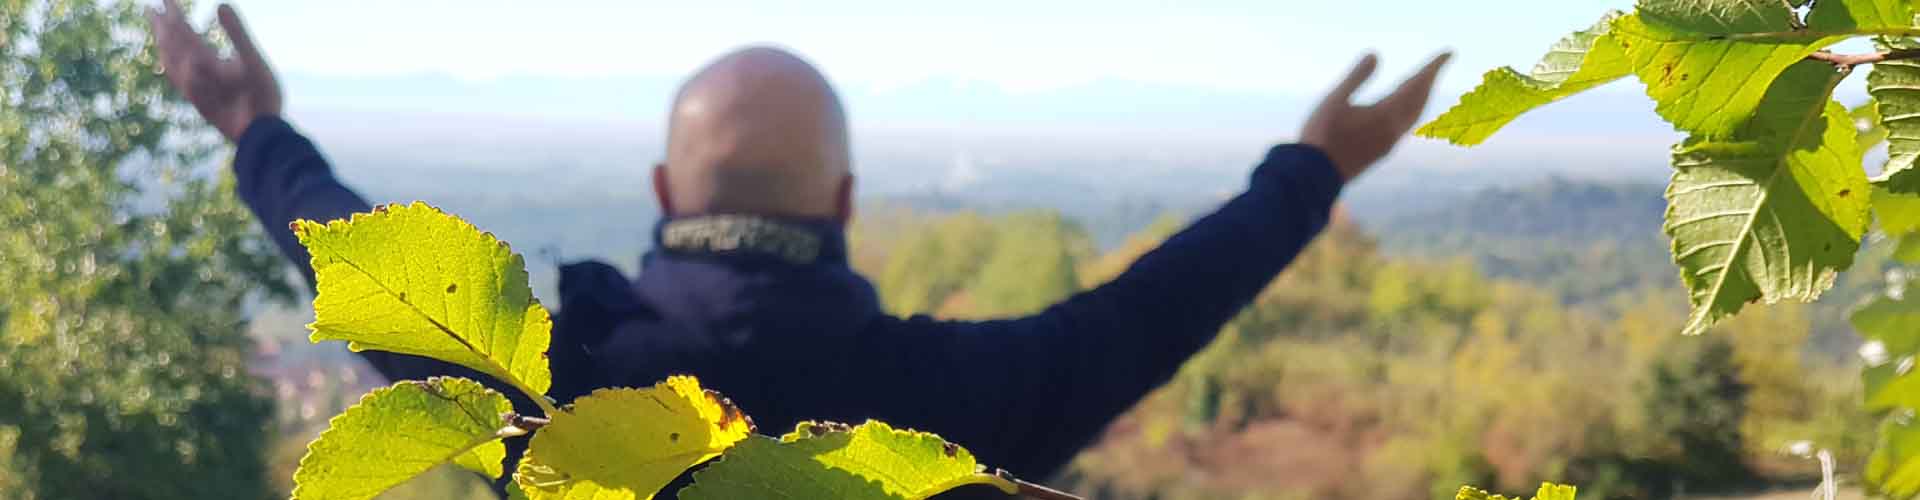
(1357, 374)
(122, 344)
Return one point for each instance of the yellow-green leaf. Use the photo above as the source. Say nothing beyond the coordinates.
(1893, 471)
(1896, 200)
(1548, 491)
(1581, 61)
(1866, 118)
(1895, 87)
(414, 280)
(1850, 16)
(832, 461)
(1775, 212)
(1891, 327)
(1706, 62)
(401, 431)
(628, 443)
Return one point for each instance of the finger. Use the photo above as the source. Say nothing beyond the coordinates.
(1343, 93)
(175, 13)
(1412, 95)
(180, 36)
(237, 32)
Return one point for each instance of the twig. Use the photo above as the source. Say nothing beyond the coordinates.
(1031, 490)
(524, 422)
(1848, 61)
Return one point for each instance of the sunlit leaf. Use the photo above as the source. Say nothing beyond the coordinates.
(1581, 61)
(401, 431)
(1895, 87)
(1896, 202)
(1893, 469)
(1846, 16)
(1892, 329)
(413, 280)
(833, 461)
(1775, 212)
(628, 443)
(1703, 61)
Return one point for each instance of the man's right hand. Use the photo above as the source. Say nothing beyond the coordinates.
(229, 93)
(1356, 136)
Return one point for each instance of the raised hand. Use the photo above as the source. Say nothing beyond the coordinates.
(1357, 136)
(229, 93)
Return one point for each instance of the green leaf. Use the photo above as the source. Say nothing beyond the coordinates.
(833, 461)
(1774, 213)
(1700, 59)
(1896, 200)
(1891, 328)
(1548, 491)
(628, 443)
(401, 431)
(1845, 16)
(413, 280)
(1581, 61)
(1892, 470)
(1895, 87)
(1866, 119)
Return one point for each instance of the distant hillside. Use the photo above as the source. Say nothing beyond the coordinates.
(1586, 240)
(1557, 208)
(1596, 244)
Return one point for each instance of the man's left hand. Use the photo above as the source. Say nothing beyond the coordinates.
(229, 93)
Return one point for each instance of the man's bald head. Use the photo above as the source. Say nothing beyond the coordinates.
(758, 131)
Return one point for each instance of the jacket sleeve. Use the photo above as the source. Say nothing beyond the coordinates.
(1037, 389)
(281, 176)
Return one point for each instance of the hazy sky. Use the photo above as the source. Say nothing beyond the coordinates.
(1209, 75)
(1259, 46)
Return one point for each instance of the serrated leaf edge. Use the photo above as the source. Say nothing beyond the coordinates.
(369, 396)
(301, 226)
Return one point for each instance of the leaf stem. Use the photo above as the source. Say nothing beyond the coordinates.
(1016, 487)
(1848, 61)
(1031, 490)
(526, 422)
(538, 399)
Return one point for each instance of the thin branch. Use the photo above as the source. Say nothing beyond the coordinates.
(1039, 492)
(524, 422)
(1030, 490)
(1848, 61)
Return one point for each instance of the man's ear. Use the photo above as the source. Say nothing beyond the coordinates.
(660, 192)
(843, 201)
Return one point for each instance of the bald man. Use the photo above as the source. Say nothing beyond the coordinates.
(748, 285)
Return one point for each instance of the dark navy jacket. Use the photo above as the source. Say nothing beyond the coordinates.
(791, 341)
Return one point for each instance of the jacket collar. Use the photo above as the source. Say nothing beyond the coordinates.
(752, 237)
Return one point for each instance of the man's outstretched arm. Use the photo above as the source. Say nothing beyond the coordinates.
(279, 173)
(1039, 388)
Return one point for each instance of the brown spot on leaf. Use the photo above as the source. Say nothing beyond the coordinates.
(673, 437)
(1844, 192)
(403, 296)
(729, 414)
(452, 286)
(951, 449)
